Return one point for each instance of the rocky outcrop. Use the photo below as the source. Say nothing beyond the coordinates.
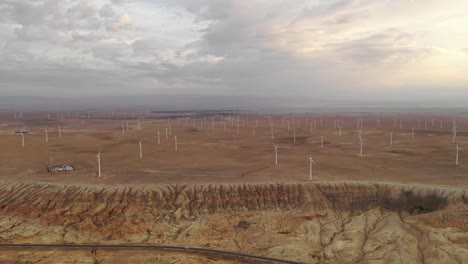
(310, 222)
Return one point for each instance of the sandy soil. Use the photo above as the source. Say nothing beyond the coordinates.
(217, 155)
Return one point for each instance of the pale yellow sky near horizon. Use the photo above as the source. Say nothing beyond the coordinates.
(238, 47)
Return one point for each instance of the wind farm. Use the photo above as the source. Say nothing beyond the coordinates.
(218, 132)
(206, 152)
(278, 164)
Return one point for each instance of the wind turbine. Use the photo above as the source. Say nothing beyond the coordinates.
(141, 149)
(322, 141)
(22, 139)
(276, 154)
(454, 134)
(360, 152)
(175, 143)
(46, 136)
(159, 138)
(391, 139)
(166, 134)
(458, 148)
(272, 135)
(294, 136)
(311, 163)
(99, 163)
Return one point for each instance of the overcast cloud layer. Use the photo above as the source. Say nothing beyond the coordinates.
(318, 48)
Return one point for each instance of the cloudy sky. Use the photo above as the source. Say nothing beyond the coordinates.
(316, 48)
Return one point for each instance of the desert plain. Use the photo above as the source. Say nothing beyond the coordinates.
(404, 200)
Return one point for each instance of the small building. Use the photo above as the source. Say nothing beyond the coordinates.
(60, 168)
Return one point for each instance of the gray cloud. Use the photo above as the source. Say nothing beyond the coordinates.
(388, 46)
(307, 48)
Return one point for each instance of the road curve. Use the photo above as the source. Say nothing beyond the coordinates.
(149, 247)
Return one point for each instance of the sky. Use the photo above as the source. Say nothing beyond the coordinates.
(364, 49)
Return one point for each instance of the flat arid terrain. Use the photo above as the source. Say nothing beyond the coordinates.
(217, 187)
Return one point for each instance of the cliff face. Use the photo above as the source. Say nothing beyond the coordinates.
(319, 222)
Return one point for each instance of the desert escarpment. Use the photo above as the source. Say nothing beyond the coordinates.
(346, 222)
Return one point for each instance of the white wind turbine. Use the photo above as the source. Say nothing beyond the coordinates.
(294, 136)
(46, 136)
(360, 152)
(458, 149)
(311, 163)
(141, 149)
(271, 127)
(99, 163)
(391, 139)
(454, 134)
(22, 139)
(322, 142)
(276, 154)
(159, 138)
(175, 143)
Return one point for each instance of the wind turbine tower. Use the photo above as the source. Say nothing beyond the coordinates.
(458, 149)
(99, 163)
(311, 163)
(360, 152)
(141, 149)
(276, 154)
